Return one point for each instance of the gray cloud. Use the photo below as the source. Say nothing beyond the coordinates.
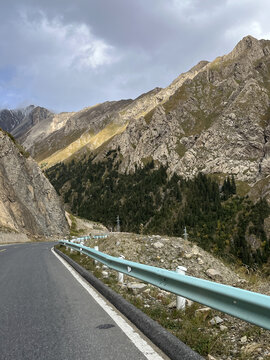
(66, 55)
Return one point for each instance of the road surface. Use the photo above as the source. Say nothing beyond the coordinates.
(45, 313)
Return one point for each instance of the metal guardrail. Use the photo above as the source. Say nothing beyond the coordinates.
(246, 305)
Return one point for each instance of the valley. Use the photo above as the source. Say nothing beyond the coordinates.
(163, 161)
(135, 180)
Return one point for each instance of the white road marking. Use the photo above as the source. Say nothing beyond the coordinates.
(137, 340)
(3, 250)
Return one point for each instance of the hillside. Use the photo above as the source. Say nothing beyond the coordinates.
(51, 138)
(214, 122)
(150, 202)
(217, 122)
(28, 202)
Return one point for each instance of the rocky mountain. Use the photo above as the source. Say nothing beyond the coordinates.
(11, 119)
(51, 138)
(216, 122)
(212, 119)
(28, 202)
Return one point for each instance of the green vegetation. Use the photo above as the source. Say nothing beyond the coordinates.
(74, 231)
(149, 115)
(180, 149)
(149, 201)
(179, 96)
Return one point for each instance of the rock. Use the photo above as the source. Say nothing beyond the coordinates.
(216, 320)
(195, 250)
(213, 274)
(232, 116)
(28, 202)
(158, 245)
(193, 253)
(252, 348)
(243, 339)
(203, 311)
(200, 261)
(223, 327)
(210, 357)
(172, 304)
(137, 288)
(105, 273)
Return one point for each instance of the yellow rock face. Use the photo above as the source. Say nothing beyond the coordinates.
(88, 139)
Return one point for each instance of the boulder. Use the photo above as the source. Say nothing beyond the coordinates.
(213, 274)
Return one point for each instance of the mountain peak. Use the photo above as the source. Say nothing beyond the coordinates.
(250, 47)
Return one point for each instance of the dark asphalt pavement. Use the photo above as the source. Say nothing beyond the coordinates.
(46, 314)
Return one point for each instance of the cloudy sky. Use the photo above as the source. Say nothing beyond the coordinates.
(66, 54)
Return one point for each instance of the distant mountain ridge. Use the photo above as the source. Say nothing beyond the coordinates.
(59, 136)
(11, 119)
(214, 119)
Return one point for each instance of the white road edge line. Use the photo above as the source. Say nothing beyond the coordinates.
(137, 340)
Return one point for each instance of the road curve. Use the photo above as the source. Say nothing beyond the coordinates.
(46, 314)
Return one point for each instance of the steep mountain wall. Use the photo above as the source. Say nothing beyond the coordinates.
(216, 122)
(28, 202)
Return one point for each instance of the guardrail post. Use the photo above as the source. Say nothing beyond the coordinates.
(121, 275)
(181, 301)
(96, 248)
(71, 250)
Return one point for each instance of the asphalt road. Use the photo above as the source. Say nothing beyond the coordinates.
(46, 314)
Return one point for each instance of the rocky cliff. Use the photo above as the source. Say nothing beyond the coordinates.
(28, 202)
(216, 122)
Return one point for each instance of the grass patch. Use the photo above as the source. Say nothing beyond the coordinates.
(74, 231)
(179, 96)
(147, 160)
(242, 188)
(149, 115)
(202, 123)
(180, 149)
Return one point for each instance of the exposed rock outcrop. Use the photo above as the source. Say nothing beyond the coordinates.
(28, 202)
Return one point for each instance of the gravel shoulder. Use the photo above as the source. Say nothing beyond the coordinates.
(213, 334)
